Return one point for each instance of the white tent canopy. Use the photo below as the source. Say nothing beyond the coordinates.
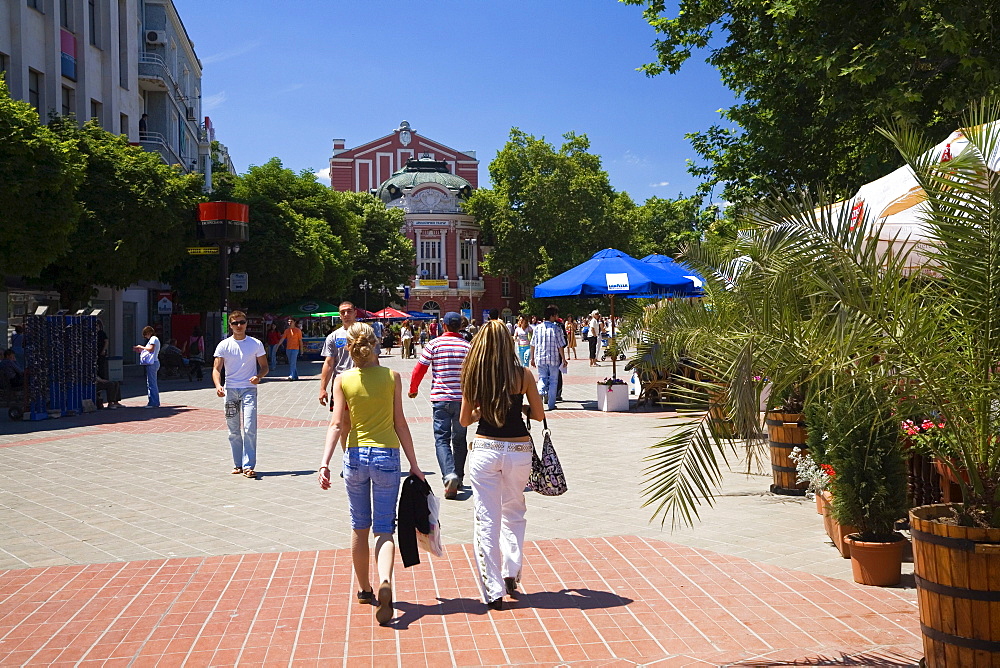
(899, 204)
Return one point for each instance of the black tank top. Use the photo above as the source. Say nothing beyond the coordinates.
(513, 426)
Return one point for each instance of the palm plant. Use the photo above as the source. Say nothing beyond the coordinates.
(805, 296)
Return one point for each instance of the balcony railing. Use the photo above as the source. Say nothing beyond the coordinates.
(153, 67)
(471, 284)
(449, 284)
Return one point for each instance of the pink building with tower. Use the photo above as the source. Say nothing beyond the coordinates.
(428, 181)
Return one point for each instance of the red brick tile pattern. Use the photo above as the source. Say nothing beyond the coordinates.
(597, 601)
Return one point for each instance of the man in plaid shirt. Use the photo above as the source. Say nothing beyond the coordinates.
(547, 344)
(445, 356)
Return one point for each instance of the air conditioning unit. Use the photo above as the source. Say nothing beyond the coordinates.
(190, 114)
(156, 37)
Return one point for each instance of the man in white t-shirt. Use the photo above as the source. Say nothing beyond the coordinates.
(336, 356)
(245, 362)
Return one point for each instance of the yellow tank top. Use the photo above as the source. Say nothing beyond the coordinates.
(369, 393)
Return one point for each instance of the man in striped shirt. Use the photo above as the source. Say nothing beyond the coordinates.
(445, 356)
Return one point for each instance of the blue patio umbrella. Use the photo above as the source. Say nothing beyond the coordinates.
(675, 268)
(613, 272)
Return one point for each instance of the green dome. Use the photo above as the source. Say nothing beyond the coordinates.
(419, 172)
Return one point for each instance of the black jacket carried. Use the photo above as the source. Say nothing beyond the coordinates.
(413, 515)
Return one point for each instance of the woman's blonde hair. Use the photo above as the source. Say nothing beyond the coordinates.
(492, 372)
(360, 342)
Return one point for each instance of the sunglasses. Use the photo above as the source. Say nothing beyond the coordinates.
(237, 323)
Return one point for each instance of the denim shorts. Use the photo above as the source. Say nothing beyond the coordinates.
(372, 479)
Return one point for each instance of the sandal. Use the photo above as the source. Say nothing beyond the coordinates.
(249, 473)
(383, 614)
(236, 470)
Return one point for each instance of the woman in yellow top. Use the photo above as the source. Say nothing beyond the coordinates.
(368, 407)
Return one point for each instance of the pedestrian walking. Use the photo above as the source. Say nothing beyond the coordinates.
(547, 355)
(571, 338)
(368, 422)
(593, 332)
(102, 350)
(494, 388)
(194, 348)
(445, 355)
(522, 338)
(336, 356)
(406, 340)
(17, 344)
(245, 361)
(272, 341)
(292, 340)
(151, 362)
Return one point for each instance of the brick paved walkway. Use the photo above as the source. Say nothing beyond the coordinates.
(210, 569)
(612, 601)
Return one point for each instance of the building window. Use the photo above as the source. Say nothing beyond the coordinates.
(92, 21)
(66, 14)
(4, 64)
(95, 111)
(431, 307)
(505, 287)
(123, 124)
(67, 100)
(429, 262)
(123, 45)
(35, 90)
(35, 4)
(465, 268)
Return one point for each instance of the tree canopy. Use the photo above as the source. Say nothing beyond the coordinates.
(135, 212)
(549, 209)
(385, 255)
(39, 174)
(815, 78)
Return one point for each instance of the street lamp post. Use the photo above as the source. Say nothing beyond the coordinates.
(365, 285)
(472, 272)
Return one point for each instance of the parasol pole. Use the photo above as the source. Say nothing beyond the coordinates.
(614, 348)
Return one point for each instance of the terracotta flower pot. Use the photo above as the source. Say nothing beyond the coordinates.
(876, 564)
(834, 529)
(820, 504)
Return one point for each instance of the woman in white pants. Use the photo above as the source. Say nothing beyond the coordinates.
(494, 386)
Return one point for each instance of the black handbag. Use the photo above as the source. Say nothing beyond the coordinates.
(547, 477)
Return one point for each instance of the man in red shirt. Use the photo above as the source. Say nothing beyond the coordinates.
(445, 356)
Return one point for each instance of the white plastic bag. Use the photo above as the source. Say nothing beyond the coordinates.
(431, 543)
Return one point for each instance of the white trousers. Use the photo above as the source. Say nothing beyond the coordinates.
(498, 479)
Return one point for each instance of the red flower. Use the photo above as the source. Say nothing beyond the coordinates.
(828, 470)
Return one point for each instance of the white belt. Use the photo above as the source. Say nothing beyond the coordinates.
(500, 446)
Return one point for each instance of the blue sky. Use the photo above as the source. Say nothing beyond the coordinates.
(283, 78)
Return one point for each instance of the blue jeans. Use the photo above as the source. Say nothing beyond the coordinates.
(152, 390)
(272, 356)
(241, 418)
(372, 479)
(524, 353)
(449, 439)
(548, 380)
(293, 357)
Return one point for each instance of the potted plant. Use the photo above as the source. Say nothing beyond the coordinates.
(612, 395)
(786, 431)
(869, 488)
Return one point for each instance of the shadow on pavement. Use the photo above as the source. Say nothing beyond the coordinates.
(565, 599)
(104, 416)
(864, 659)
(269, 474)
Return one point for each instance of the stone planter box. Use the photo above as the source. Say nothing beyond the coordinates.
(612, 398)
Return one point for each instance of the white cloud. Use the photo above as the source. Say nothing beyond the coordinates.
(323, 175)
(630, 158)
(661, 184)
(213, 101)
(231, 53)
(288, 89)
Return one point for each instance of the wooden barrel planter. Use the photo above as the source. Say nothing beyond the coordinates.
(957, 572)
(785, 432)
(720, 424)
